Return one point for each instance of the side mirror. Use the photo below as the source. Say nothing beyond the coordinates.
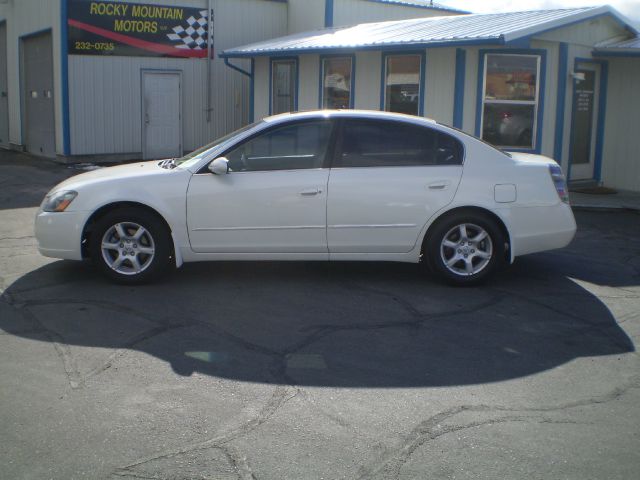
(220, 166)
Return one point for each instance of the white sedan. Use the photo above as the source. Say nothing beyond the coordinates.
(325, 185)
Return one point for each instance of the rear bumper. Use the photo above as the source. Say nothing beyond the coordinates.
(59, 234)
(537, 229)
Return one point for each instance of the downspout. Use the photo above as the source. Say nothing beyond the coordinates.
(249, 74)
(209, 55)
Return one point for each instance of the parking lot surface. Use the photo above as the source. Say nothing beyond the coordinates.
(313, 370)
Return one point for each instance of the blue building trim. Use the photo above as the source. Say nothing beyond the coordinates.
(352, 82)
(392, 48)
(541, 91)
(630, 53)
(600, 119)
(252, 92)
(458, 99)
(415, 5)
(297, 81)
(64, 68)
(561, 101)
(423, 68)
(328, 13)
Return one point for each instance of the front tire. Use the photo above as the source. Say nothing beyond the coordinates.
(131, 246)
(465, 248)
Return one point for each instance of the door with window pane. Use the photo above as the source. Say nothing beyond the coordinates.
(510, 100)
(283, 86)
(387, 180)
(584, 121)
(273, 200)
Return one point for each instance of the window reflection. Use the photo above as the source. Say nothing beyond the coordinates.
(336, 82)
(402, 84)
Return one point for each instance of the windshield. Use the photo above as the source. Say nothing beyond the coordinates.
(197, 154)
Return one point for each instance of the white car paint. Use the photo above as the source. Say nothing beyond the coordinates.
(368, 214)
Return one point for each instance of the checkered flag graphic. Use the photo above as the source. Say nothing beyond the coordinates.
(194, 36)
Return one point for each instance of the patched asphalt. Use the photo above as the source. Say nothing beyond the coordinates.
(267, 370)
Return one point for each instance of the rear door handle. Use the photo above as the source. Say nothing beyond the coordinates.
(439, 185)
(310, 192)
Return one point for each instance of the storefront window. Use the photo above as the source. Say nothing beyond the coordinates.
(510, 101)
(336, 82)
(402, 84)
(283, 86)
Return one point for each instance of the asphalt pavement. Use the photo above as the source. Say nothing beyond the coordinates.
(267, 370)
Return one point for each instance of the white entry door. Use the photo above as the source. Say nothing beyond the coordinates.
(161, 115)
(584, 122)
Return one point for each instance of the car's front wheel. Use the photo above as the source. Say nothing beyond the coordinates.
(131, 246)
(464, 249)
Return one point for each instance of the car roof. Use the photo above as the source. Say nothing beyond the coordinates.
(374, 114)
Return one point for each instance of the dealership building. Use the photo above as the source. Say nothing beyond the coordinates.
(108, 80)
(100, 80)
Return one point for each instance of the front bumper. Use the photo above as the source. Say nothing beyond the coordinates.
(59, 234)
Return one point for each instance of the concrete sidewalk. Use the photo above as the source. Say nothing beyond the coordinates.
(622, 200)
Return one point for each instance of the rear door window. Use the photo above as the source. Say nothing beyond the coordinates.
(380, 143)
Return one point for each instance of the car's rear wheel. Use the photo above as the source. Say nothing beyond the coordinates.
(465, 248)
(131, 246)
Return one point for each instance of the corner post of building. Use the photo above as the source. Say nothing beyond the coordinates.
(458, 99)
(64, 68)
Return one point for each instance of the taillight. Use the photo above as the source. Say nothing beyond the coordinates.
(558, 180)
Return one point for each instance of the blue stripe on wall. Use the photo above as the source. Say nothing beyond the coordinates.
(64, 66)
(328, 13)
(561, 101)
(458, 100)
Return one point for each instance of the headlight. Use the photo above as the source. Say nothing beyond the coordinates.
(58, 201)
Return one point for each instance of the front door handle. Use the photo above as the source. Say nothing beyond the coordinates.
(439, 185)
(310, 192)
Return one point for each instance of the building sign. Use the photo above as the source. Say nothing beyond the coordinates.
(136, 29)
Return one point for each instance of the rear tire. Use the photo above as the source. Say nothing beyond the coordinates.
(131, 246)
(465, 248)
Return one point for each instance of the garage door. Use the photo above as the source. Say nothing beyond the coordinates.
(37, 92)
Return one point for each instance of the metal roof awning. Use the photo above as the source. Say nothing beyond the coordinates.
(495, 28)
(623, 48)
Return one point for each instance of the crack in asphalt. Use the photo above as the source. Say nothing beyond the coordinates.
(391, 462)
(280, 396)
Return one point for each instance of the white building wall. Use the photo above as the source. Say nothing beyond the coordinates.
(470, 90)
(261, 88)
(367, 90)
(440, 84)
(24, 17)
(105, 92)
(305, 15)
(309, 88)
(585, 33)
(350, 12)
(621, 161)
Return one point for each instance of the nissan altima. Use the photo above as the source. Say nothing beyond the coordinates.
(325, 185)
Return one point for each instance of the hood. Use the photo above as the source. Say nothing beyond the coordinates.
(129, 171)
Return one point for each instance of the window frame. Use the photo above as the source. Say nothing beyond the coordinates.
(329, 154)
(338, 137)
(422, 55)
(296, 80)
(352, 81)
(537, 132)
